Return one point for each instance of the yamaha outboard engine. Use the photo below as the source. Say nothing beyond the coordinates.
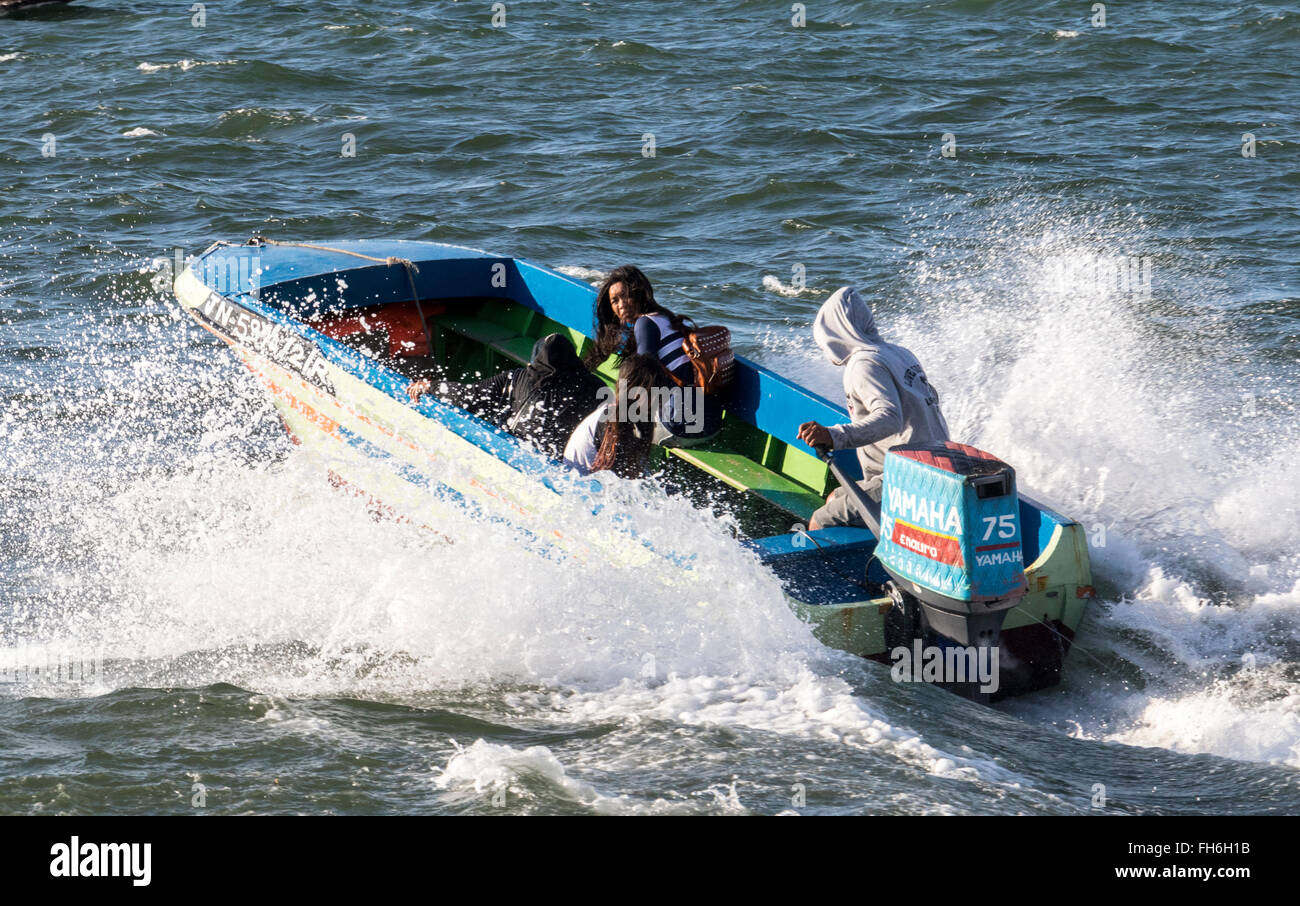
(950, 539)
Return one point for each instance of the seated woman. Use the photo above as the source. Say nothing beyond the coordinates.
(617, 434)
(541, 402)
(629, 321)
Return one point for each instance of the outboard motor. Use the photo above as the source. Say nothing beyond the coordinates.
(950, 539)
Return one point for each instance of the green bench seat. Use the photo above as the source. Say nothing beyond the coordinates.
(498, 337)
(734, 469)
(518, 349)
(744, 474)
(505, 340)
(485, 332)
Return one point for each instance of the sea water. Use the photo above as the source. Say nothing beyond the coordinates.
(1087, 233)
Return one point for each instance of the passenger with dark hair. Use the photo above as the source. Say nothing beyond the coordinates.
(542, 402)
(617, 434)
(630, 321)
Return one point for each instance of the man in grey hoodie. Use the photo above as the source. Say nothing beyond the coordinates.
(889, 399)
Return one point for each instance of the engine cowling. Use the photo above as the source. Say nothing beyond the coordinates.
(950, 536)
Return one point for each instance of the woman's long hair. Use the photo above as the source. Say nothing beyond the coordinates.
(625, 442)
(613, 336)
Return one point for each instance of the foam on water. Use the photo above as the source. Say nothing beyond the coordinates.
(1253, 716)
(773, 284)
(485, 770)
(264, 589)
(192, 545)
(592, 275)
(490, 772)
(1141, 416)
(183, 65)
(223, 568)
(807, 705)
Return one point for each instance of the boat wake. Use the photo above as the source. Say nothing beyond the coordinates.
(159, 521)
(1162, 423)
(167, 531)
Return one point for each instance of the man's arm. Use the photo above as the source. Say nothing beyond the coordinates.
(873, 386)
(489, 397)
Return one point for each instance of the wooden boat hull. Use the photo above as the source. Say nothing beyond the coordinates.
(277, 305)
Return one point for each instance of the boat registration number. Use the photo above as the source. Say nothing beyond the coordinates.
(273, 341)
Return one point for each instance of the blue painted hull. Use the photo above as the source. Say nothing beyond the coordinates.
(263, 299)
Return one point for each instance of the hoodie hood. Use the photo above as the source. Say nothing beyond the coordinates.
(552, 394)
(554, 362)
(553, 353)
(844, 324)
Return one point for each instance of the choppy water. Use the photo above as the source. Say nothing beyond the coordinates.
(264, 637)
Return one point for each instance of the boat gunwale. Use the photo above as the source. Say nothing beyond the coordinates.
(519, 455)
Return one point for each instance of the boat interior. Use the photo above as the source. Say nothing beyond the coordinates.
(467, 339)
(767, 484)
(464, 315)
